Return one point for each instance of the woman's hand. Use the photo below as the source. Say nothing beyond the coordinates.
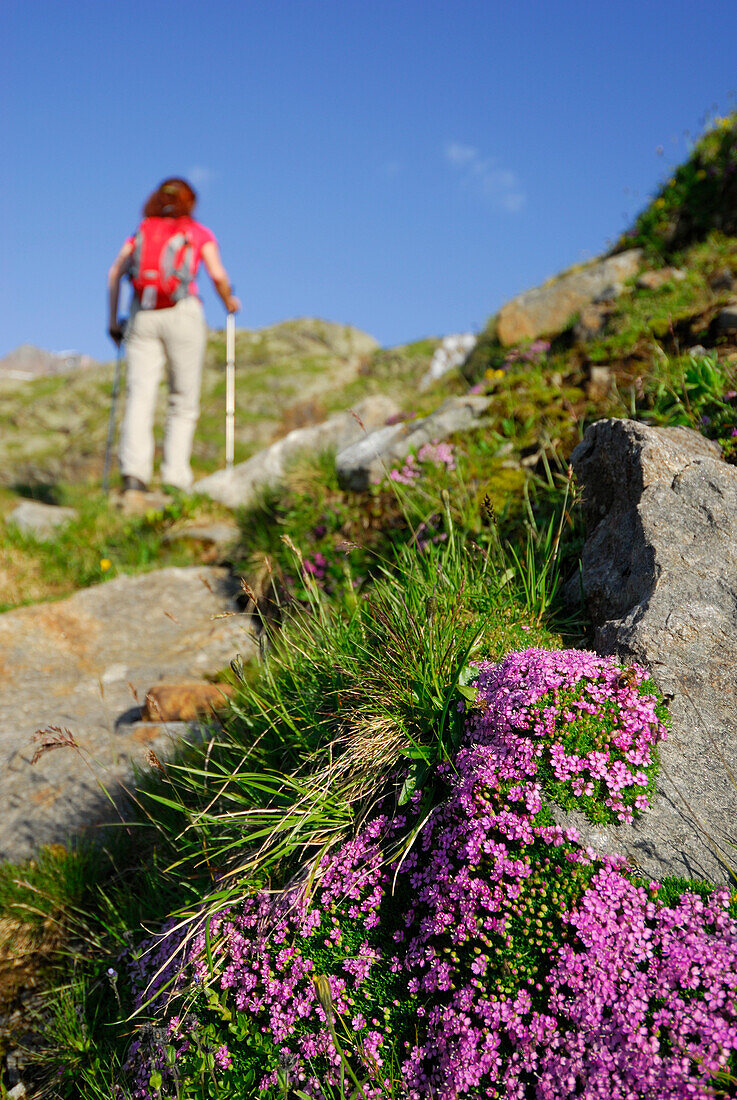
(114, 275)
(116, 334)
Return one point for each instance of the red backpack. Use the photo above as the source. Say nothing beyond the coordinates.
(162, 262)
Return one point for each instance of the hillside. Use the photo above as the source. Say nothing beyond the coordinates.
(361, 883)
(54, 428)
(53, 431)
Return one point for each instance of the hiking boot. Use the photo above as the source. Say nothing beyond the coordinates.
(134, 484)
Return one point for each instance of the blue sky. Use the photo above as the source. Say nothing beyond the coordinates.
(401, 165)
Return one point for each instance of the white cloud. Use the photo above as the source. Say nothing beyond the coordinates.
(461, 154)
(200, 177)
(485, 176)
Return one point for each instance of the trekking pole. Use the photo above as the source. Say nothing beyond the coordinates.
(229, 390)
(111, 421)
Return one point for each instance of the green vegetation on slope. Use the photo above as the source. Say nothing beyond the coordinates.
(54, 429)
(371, 606)
(699, 197)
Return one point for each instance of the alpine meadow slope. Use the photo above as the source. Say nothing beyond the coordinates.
(359, 883)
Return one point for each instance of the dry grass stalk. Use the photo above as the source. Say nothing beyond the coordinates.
(50, 738)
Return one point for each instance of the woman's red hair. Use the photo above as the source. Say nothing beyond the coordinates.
(173, 198)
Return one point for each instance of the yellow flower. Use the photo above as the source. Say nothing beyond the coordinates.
(105, 564)
(701, 174)
(660, 202)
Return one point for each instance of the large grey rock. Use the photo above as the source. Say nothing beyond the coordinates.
(659, 571)
(32, 517)
(85, 664)
(547, 309)
(238, 487)
(369, 459)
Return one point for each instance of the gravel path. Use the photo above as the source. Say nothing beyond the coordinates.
(78, 664)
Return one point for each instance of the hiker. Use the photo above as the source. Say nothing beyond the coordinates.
(166, 326)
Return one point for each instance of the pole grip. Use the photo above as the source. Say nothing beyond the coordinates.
(230, 339)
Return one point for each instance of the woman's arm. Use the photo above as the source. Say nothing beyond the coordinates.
(218, 274)
(114, 275)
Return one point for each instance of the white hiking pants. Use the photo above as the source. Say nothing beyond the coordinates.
(174, 337)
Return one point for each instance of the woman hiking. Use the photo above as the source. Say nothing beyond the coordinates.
(166, 327)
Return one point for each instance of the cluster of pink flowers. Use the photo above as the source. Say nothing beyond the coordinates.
(650, 1001)
(572, 716)
(532, 353)
(267, 956)
(439, 454)
(406, 474)
(543, 971)
(493, 956)
(316, 566)
(434, 454)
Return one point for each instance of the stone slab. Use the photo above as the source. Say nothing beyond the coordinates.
(84, 664)
(239, 486)
(369, 459)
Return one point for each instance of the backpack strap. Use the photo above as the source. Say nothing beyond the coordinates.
(179, 244)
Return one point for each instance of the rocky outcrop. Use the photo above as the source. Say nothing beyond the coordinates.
(368, 460)
(654, 280)
(659, 573)
(238, 487)
(84, 664)
(547, 309)
(452, 352)
(33, 517)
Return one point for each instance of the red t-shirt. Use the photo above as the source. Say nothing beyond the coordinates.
(198, 235)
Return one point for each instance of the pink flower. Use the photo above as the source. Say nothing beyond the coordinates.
(222, 1058)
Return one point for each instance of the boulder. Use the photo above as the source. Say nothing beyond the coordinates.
(653, 280)
(368, 460)
(659, 575)
(238, 486)
(547, 309)
(137, 502)
(40, 520)
(214, 540)
(727, 317)
(183, 702)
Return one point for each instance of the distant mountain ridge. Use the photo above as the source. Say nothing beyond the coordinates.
(28, 362)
